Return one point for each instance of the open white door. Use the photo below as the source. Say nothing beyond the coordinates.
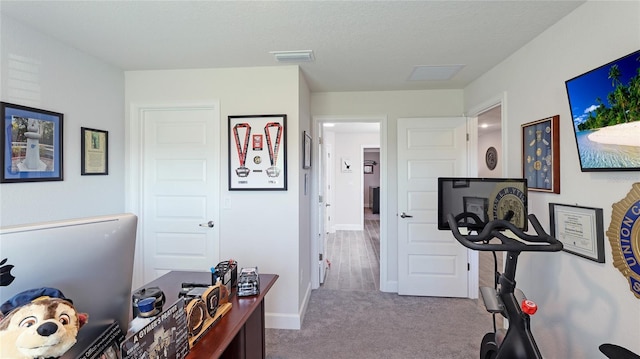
(430, 261)
(324, 206)
(322, 236)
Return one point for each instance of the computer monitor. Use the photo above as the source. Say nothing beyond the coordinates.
(477, 201)
(89, 259)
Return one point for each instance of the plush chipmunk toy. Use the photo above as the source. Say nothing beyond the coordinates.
(38, 323)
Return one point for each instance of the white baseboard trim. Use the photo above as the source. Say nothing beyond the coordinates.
(282, 321)
(305, 304)
(289, 321)
(389, 287)
(348, 227)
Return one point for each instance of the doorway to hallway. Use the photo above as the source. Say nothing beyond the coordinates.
(354, 257)
(490, 137)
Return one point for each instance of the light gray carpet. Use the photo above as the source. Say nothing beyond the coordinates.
(370, 324)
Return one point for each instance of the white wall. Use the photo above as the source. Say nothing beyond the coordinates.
(393, 104)
(305, 233)
(257, 228)
(582, 303)
(38, 71)
(347, 186)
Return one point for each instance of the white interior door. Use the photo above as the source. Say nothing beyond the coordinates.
(328, 189)
(324, 203)
(181, 156)
(431, 262)
(322, 233)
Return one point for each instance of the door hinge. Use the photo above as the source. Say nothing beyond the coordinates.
(467, 137)
(468, 267)
(320, 257)
(320, 140)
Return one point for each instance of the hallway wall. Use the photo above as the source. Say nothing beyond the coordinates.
(347, 200)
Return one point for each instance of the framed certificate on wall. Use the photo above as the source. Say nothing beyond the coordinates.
(580, 229)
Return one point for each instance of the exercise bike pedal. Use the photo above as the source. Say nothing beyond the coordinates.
(492, 302)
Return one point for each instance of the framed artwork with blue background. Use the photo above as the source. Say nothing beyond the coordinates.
(31, 144)
(541, 154)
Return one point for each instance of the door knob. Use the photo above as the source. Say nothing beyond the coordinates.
(208, 224)
(327, 205)
(404, 215)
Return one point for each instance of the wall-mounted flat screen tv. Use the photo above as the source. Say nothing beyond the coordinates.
(476, 201)
(605, 110)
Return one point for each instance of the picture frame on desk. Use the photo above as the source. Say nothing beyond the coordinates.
(106, 345)
(166, 334)
(32, 145)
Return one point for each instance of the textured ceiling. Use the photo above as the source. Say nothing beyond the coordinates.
(358, 45)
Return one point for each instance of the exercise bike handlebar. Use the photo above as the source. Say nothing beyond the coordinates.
(542, 242)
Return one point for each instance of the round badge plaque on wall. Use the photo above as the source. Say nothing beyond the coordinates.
(491, 158)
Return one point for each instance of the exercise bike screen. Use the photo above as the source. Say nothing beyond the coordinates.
(480, 200)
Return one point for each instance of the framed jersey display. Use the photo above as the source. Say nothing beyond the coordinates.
(258, 152)
(541, 154)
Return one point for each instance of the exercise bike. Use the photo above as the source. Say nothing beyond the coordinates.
(615, 351)
(504, 298)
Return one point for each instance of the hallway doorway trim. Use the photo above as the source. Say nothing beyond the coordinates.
(385, 286)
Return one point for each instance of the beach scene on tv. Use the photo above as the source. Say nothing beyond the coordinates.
(605, 108)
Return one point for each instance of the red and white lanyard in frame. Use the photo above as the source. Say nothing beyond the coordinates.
(242, 171)
(273, 171)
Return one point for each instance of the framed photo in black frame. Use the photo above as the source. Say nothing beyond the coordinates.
(31, 144)
(257, 152)
(306, 150)
(95, 152)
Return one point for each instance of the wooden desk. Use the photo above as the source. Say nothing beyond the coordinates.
(240, 333)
